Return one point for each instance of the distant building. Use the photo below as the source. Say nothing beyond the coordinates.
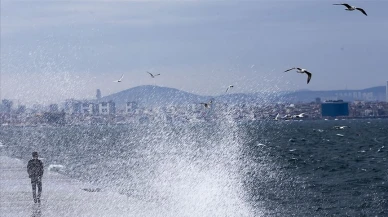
(318, 100)
(334, 108)
(87, 108)
(98, 94)
(54, 118)
(53, 108)
(21, 109)
(6, 105)
(386, 91)
(195, 107)
(72, 106)
(130, 107)
(37, 107)
(105, 108)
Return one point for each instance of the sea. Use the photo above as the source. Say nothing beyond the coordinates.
(225, 168)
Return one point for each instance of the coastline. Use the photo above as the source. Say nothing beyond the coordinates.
(205, 121)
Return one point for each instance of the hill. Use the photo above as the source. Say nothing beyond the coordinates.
(149, 95)
(153, 96)
(369, 94)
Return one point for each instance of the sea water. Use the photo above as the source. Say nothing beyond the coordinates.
(258, 168)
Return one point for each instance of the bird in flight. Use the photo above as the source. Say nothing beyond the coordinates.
(122, 76)
(352, 8)
(229, 87)
(152, 75)
(207, 105)
(300, 70)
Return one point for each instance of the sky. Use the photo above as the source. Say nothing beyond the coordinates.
(54, 50)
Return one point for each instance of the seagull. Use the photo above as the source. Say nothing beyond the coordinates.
(207, 105)
(153, 76)
(352, 8)
(122, 76)
(229, 87)
(300, 70)
(301, 115)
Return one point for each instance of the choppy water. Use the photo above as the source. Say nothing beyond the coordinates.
(225, 169)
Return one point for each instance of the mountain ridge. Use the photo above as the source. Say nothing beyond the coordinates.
(150, 95)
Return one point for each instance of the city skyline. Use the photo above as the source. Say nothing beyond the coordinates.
(147, 94)
(52, 51)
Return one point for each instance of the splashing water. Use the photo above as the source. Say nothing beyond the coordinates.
(163, 169)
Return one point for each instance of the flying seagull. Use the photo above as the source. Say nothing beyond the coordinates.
(229, 87)
(277, 117)
(300, 70)
(352, 8)
(207, 105)
(122, 76)
(153, 76)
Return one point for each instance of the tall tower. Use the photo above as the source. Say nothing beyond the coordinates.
(386, 92)
(98, 95)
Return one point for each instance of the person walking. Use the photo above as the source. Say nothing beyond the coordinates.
(35, 172)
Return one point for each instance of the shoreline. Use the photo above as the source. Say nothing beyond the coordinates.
(208, 121)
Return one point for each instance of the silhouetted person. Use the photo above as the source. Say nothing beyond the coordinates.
(35, 172)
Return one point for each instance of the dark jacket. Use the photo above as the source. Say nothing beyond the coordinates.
(35, 168)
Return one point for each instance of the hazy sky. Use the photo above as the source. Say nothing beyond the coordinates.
(53, 50)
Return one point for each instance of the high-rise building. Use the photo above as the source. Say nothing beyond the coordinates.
(86, 108)
(105, 108)
(131, 107)
(386, 91)
(98, 95)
